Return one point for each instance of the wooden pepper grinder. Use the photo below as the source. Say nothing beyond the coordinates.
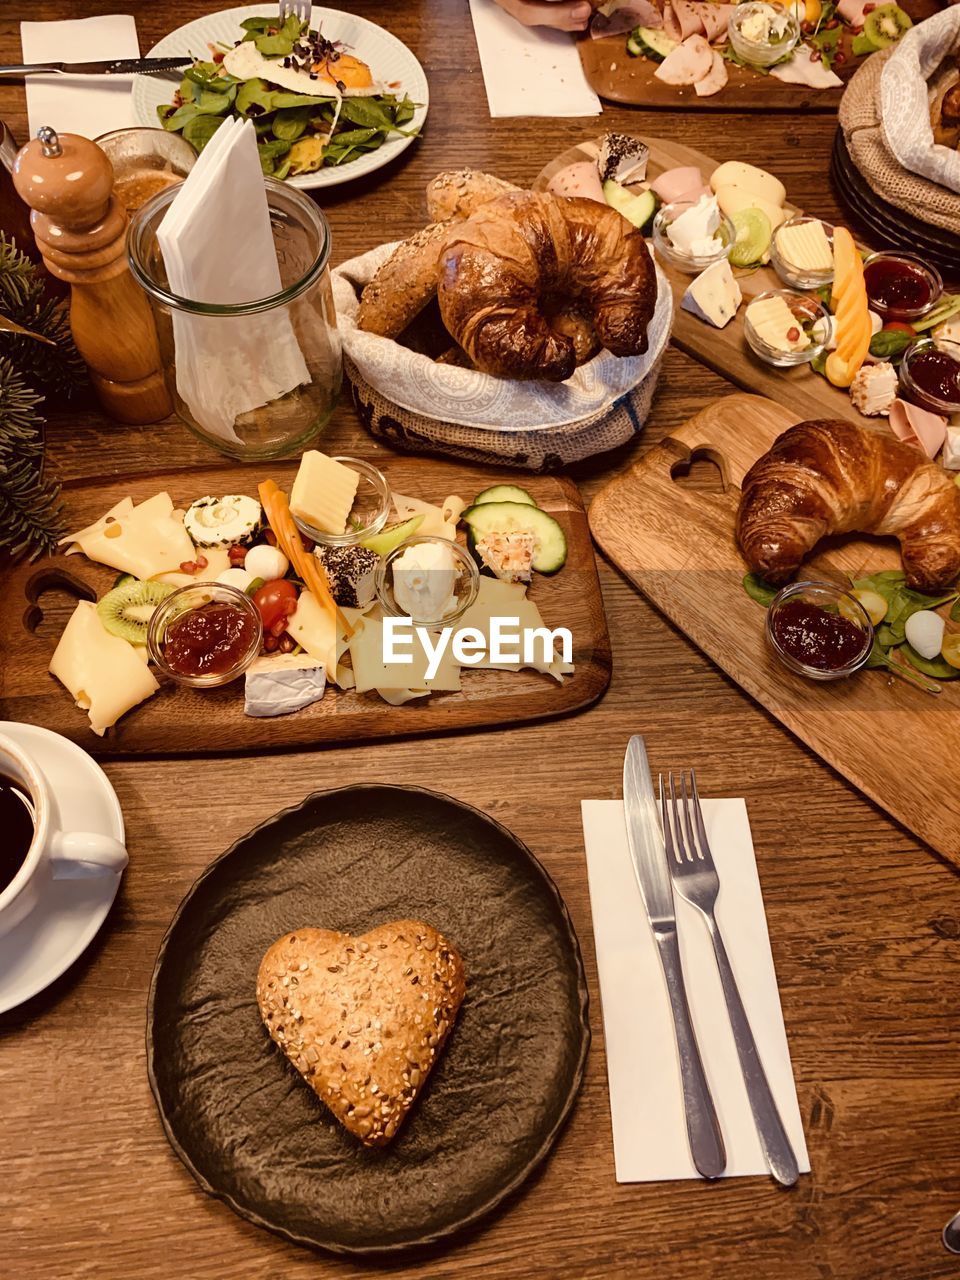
(81, 230)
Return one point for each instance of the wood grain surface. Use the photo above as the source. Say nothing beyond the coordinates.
(864, 924)
(617, 77)
(678, 545)
(177, 720)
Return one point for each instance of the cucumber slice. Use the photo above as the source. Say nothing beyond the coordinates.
(636, 48)
(657, 43)
(636, 209)
(504, 493)
(506, 517)
(392, 535)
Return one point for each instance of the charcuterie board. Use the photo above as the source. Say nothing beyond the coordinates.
(613, 74)
(894, 742)
(726, 350)
(40, 597)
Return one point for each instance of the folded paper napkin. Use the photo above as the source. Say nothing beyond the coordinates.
(470, 398)
(904, 105)
(529, 71)
(218, 247)
(88, 105)
(646, 1101)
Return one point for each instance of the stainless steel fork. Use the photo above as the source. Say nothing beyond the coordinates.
(300, 7)
(695, 878)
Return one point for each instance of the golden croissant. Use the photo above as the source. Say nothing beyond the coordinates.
(827, 477)
(523, 257)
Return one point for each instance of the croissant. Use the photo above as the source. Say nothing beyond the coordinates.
(525, 256)
(828, 476)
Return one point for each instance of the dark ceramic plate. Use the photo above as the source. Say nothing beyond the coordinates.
(248, 1127)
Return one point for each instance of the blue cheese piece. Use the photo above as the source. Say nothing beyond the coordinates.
(950, 458)
(622, 158)
(280, 683)
(714, 295)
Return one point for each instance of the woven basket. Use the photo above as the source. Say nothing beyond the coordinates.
(547, 449)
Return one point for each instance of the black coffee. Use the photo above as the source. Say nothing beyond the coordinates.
(16, 828)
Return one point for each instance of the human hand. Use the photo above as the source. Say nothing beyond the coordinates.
(563, 15)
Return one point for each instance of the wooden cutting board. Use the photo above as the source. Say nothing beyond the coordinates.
(898, 745)
(178, 720)
(613, 74)
(726, 350)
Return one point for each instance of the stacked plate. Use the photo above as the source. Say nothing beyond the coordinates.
(888, 227)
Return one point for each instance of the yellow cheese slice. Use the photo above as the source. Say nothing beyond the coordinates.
(323, 492)
(315, 629)
(759, 183)
(144, 540)
(371, 672)
(103, 673)
(438, 522)
(496, 599)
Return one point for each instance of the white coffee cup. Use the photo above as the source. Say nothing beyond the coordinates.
(53, 853)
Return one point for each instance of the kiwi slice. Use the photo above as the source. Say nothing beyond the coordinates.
(127, 609)
(754, 233)
(884, 26)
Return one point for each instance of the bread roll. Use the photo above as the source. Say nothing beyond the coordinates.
(405, 283)
(458, 193)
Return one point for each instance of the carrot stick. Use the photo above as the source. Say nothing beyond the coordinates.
(276, 506)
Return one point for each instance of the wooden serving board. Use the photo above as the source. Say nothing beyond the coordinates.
(39, 599)
(613, 74)
(726, 350)
(895, 743)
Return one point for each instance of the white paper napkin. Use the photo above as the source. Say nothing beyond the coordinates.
(529, 71)
(88, 105)
(646, 1102)
(218, 247)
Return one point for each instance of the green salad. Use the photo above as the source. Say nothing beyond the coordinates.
(313, 104)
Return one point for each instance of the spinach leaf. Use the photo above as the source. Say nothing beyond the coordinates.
(175, 118)
(201, 129)
(257, 23)
(290, 123)
(890, 343)
(759, 590)
(367, 112)
(283, 99)
(215, 104)
(955, 611)
(254, 93)
(937, 667)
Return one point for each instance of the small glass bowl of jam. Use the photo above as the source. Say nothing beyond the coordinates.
(809, 634)
(205, 635)
(930, 374)
(900, 286)
(369, 512)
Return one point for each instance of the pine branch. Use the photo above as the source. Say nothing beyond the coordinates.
(23, 298)
(30, 511)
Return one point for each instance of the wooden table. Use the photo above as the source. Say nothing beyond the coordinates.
(865, 923)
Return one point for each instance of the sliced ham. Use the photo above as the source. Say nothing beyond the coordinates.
(715, 19)
(800, 70)
(853, 11)
(670, 23)
(578, 179)
(682, 183)
(687, 64)
(714, 80)
(620, 18)
(916, 426)
(688, 15)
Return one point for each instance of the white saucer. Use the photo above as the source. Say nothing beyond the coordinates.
(70, 913)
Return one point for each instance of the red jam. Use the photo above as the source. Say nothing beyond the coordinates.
(209, 641)
(897, 287)
(815, 637)
(936, 374)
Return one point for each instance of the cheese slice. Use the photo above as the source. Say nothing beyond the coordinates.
(496, 599)
(714, 295)
(144, 540)
(371, 672)
(773, 321)
(218, 561)
(759, 183)
(735, 199)
(323, 492)
(315, 629)
(277, 684)
(805, 246)
(103, 673)
(438, 522)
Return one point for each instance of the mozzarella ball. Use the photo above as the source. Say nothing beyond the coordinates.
(924, 632)
(239, 578)
(266, 562)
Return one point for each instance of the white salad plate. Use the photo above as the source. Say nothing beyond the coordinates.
(70, 912)
(389, 59)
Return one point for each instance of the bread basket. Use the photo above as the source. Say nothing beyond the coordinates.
(416, 404)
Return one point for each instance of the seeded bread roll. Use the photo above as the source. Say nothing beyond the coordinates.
(405, 283)
(458, 193)
(363, 1019)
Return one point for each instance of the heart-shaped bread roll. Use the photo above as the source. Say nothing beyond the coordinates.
(363, 1019)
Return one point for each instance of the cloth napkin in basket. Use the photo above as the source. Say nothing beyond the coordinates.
(529, 71)
(88, 105)
(904, 111)
(218, 247)
(649, 1134)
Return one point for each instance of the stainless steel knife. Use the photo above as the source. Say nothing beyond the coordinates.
(650, 864)
(115, 67)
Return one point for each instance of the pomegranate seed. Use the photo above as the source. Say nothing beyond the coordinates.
(270, 537)
(202, 562)
(841, 57)
(793, 334)
(287, 643)
(270, 643)
(833, 24)
(814, 55)
(869, 8)
(307, 544)
(188, 566)
(237, 555)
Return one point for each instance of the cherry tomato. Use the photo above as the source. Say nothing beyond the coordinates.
(276, 600)
(898, 326)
